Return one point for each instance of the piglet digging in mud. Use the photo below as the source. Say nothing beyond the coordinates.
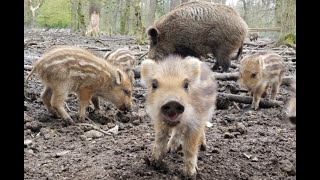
(66, 69)
(180, 100)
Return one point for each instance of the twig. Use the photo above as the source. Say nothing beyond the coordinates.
(95, 128)
(283, 51)
(248, 100)
(142, 55)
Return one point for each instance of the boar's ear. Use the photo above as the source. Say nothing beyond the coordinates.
(118, 77)
(106, 55)
(261, 63)
(193, 66)
(148, 67)
(153, 34)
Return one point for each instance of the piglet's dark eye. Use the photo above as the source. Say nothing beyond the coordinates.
(186, 85)
(154, 84)
(254, 75)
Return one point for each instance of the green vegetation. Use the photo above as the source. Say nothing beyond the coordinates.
(54, 13)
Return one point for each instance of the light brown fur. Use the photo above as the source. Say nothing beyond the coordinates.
(68, 69)
(291, 106)
(123, 59)
(260, 71)
(197, 29)
(190, 83)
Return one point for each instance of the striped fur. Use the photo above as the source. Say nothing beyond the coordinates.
(122, 58)
(67, 69)
(260, 71)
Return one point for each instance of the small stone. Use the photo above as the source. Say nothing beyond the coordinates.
(244, 176)
(83, 137)
(59, 154)
(241, 128)
(287, 166)
(136, 122)
(93, 134)
(30, 151)
(110, 125)
(254, 159)
(114, 130)
(34, 126)
(27, 142)
(228, 135)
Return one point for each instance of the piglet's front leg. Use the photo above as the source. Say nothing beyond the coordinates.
(160, 145)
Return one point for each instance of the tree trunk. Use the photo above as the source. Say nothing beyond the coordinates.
(33, 11)
(245, 10)
(124, 18)
(151, 12)
(183, 1)
(140, 30)
(287, 12)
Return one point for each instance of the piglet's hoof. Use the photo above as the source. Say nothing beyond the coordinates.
(157, 165)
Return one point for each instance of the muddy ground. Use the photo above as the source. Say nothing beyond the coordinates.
(266, 149)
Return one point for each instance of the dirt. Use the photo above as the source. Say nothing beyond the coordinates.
(242, 143)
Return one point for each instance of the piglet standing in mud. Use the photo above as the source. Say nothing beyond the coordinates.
(199, 28)
(180, 100)
(260, 71)
(68, 69)
(291, 106)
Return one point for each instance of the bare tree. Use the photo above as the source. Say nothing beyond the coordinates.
(33, 11)
(94, 23)
(286, 17)
(151, 12)
(77, 17)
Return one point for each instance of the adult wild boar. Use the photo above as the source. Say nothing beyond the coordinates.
(198, 28)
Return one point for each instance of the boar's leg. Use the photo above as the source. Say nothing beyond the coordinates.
(203, 146)
(274, 91)
(160, 144)
(84, 102)
(223, 60)
(190, 149)
(96, 103)
(46, 98)
(174, 144)
(257, 94)
(57, 102)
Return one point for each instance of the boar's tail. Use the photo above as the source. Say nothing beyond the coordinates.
(33, 68)
(239, 52)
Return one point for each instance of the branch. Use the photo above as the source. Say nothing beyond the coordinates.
(248, 100)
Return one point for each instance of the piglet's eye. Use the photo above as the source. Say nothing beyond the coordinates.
(254, 75)
(186, 85)
(154, 84)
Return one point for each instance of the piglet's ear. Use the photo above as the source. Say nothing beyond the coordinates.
(153, 34)
(193, 65)
(118, 77)
(148, 69)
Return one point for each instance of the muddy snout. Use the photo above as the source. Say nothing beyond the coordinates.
(125, 107)
(171, 111)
